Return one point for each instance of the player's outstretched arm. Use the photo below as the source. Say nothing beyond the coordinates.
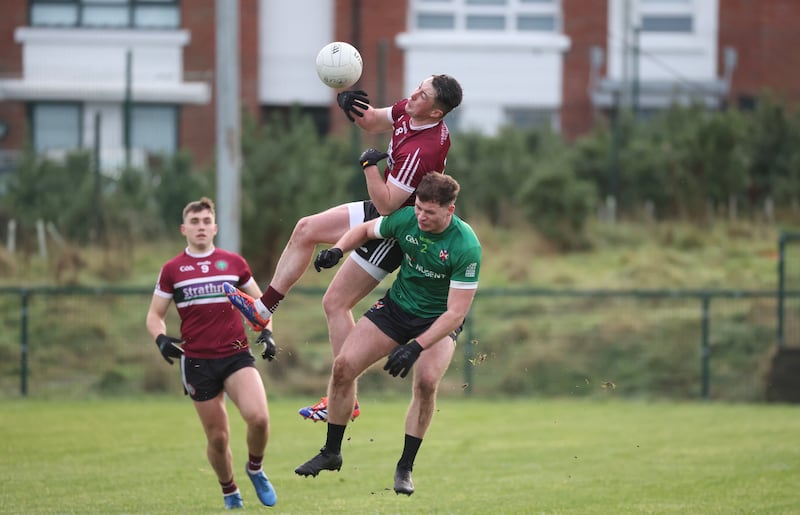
(328, 258)
(376, 120)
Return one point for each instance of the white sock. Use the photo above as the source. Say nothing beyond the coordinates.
(262, 309)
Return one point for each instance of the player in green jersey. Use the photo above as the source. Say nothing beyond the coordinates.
(417, 321)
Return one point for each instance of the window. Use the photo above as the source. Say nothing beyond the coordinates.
(55, 126)
(97, 13)
(48, 14)
(667, 23)
(483, 22)
(148, 14)
(486, 15)
(156, 14)
(154, 129)
(539, 23)
(436, 21)
(529, 118)
(666, 16)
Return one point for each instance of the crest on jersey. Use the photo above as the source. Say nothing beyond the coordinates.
(221, 264)
(443, 255)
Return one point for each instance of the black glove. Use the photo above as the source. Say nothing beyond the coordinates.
(371, 157)
(402, 358)
(350, 100)
(327, 258)
(265, 338)
(169, 347)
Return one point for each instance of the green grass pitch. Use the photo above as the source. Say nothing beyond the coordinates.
(601, 456)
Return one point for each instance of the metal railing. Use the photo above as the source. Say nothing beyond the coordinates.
(703, 298)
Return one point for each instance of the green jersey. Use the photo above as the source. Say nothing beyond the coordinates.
(432, 263)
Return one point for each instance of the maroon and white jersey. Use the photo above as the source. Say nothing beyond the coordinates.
(414, 152)
(210, 326)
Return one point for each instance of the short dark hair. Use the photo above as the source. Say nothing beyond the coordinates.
(196, 206)
(448, 92)
(439, 188)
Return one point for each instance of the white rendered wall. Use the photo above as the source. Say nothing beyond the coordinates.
(90, 66)
(495, 71)
(290, 36)
(80, 64)
(671, 57)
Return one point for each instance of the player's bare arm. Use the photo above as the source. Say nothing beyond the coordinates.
(458, 304)
(357, 236)
(375, 120)
(386, 197)
(156, 315)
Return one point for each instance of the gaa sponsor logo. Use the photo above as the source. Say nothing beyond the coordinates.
(186, 268)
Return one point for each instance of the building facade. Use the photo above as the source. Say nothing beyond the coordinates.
(136, 78)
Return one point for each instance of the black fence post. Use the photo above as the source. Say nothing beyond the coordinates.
(705, 352)
(781, 286)
(23, 343)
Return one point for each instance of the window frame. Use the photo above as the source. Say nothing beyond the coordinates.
(129, 6)
(465, 13)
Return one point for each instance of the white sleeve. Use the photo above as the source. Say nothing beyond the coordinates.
(378, 227)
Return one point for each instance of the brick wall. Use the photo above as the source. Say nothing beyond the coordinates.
(365, 24)
(766, 35)
(198, 122)
(586, 25)
(14, 14)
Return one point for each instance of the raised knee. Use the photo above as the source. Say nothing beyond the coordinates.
(303, 230)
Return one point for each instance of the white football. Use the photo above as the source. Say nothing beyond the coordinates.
(339, 65)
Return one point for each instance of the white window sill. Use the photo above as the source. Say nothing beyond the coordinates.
(441, 40)
(86, 36)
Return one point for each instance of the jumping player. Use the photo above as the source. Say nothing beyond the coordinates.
(416, 321)
(419, 144)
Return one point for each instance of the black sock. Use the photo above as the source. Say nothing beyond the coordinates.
(410, 449)
(228, 488)
(333, 443)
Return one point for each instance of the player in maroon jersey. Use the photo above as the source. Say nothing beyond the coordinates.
(419, 144)
(213, 351)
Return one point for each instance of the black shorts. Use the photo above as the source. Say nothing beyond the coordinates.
(203, 379)
(384, 254)
(397, 324)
